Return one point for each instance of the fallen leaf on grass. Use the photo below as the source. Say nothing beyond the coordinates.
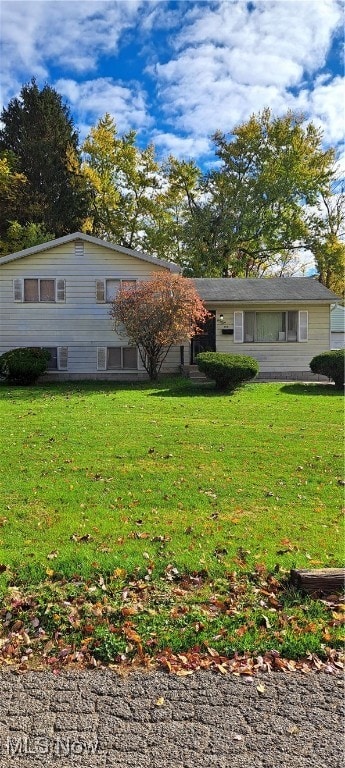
(118, 573)
(85, 538)
(52, 555)
(264, 622)
(260, 688)
(132, 635)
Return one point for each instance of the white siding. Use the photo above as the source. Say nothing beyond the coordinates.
(282, 356)
(82, 325)
(79, 323)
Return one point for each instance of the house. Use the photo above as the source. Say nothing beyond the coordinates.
(337, 327)
(56, 295)
(283, 322)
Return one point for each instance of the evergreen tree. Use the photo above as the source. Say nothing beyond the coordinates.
(39, 134)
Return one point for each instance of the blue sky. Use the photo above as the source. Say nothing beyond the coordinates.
(178, 71)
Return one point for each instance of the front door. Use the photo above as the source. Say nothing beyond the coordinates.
(205, 341)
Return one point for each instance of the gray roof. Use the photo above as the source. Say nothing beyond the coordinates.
(256, 290)
(95, 241)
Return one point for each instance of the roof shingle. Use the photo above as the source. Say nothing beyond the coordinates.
(256, 290)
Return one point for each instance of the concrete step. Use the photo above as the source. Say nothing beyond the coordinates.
(192, 371)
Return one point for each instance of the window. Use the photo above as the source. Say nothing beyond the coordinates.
(114, 357)
(129, 357)
(58, 358)
(270, 327)
(107, 289)
(38, 290)
(112, 287)
(122, 357)
(117, 358)
(53, 362)
(263, 327)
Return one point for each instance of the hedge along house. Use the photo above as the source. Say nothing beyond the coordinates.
(283, 322)
(57, 295)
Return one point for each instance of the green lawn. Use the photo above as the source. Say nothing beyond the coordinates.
(161, 481)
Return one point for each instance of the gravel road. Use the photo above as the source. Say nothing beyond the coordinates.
(100, 720)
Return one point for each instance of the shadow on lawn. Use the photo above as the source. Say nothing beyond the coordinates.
(164, 387)
(187, 388)
(325, 390)
(51, 390)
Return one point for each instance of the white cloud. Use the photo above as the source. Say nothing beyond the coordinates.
(231, 61)
(72, 35)
(91, 99)
(159, 16)
(213, 63)
(327, 107)
(181, 146)
(299, 30)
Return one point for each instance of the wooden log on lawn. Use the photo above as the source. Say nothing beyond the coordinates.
(325, 580)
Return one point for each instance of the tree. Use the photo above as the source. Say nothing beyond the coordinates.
(156, 314)
(122, 181)
(15, 236)
(330, 263)
(327, 229)
(252, 208)
(39, 133)
(135, 200)
(19, 236)
(12, 186)
(175, 202)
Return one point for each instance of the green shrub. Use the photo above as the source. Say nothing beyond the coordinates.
(330, 364)
(24, 365)
(228, 371)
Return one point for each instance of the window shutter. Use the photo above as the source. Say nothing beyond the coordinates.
(100, 291)
(62, 358)
(238, 327)
(101, 358)
(303, 325)
(18, 289)
(60, 290)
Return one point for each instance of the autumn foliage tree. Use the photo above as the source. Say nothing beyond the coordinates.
(156, 314)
